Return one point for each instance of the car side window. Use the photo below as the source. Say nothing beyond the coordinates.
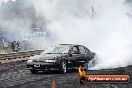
(81, 50)
(87, 51)
(74, 48)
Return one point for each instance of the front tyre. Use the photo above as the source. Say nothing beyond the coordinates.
(63, 67)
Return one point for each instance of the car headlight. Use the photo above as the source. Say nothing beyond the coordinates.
(29, 61)
(50, 61)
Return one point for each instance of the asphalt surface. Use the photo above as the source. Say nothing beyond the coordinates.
(22, 78)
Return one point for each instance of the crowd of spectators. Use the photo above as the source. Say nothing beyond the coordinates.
(15, 46)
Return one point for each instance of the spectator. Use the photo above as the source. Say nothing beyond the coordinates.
(17, 46)
(13, 45)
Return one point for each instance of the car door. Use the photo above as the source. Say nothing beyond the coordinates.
(72, 59)
(81, 56)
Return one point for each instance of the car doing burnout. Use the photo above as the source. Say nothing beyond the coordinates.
(60, 57)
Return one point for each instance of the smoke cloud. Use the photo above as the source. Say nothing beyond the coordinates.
(104, 26)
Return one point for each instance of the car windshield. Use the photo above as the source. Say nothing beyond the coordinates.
(59, 49)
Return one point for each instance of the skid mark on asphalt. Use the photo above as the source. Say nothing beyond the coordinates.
(21, 77)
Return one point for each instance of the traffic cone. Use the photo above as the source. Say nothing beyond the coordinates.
(54, 84)
(14, 66)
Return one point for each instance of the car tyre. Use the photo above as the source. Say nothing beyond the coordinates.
(63, 67)
(33, 71)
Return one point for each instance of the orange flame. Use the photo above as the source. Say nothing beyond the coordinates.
(81, 71)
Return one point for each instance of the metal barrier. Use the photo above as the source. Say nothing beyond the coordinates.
(13, 56)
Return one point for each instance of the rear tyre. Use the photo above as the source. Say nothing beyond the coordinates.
(63, 67)
(33, 71)
(85, 65)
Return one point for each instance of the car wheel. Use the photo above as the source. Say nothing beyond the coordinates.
(33, 71)
(85, 65)
(63, 67)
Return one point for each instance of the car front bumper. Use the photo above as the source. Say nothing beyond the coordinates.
(42, 67)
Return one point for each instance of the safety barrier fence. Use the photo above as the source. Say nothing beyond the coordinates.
(18, 56)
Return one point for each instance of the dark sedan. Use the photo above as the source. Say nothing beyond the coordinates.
(60, 57)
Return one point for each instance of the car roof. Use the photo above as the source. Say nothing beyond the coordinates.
(71, 44)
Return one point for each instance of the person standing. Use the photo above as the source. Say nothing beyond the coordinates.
(17, 46)
(13, 46)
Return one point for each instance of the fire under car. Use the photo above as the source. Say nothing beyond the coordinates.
(60, 57)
